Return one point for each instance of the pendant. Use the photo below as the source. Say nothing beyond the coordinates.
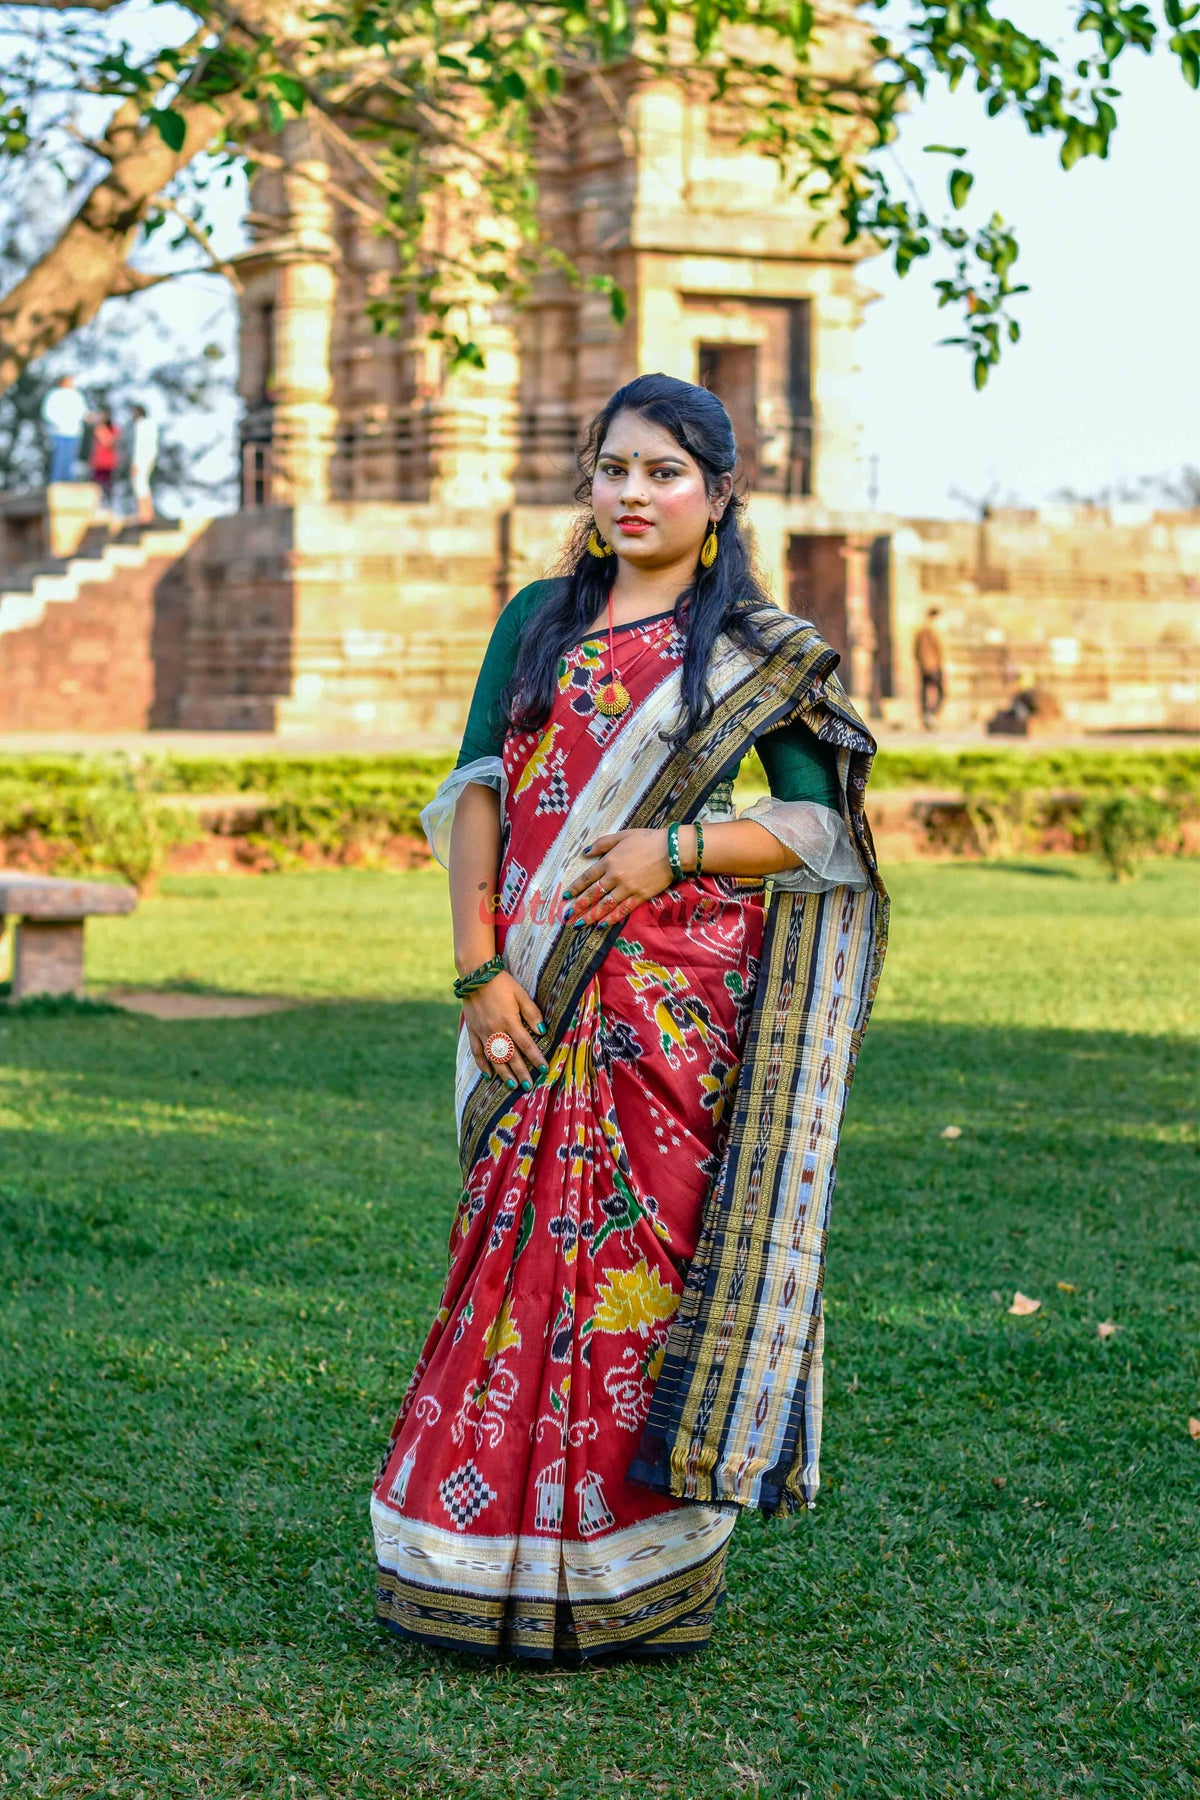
(612, 699)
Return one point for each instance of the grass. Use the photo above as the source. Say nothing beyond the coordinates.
(222, 1244)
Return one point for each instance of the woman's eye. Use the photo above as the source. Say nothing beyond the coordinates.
(667, 474)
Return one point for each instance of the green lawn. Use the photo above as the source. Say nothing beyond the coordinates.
(222, 1243)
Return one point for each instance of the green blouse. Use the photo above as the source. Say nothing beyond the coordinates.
(798, 765)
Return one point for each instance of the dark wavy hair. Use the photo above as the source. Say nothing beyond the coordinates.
(723, 598)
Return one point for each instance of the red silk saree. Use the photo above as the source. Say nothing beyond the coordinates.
(569, 1458)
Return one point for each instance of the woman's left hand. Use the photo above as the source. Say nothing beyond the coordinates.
(624, 868)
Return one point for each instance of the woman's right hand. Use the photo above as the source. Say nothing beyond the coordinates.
(503, 1005)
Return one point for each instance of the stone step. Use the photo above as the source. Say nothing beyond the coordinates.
(22, 606)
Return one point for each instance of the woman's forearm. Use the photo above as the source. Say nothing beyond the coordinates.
(738, 848)
(474, 871)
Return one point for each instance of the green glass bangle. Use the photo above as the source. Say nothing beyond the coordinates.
(673, 852)
(469, 984)
(699, 847)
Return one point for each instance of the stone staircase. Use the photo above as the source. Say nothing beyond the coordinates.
(77, 634)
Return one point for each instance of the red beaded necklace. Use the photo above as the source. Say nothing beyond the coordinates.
(613, 697)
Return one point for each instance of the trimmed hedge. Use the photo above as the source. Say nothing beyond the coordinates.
(114, 814)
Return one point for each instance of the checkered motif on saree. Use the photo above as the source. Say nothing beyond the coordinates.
(736, 1413)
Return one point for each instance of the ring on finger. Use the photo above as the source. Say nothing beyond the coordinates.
(498, 1047)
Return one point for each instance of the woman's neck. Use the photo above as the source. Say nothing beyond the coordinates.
(638, 593)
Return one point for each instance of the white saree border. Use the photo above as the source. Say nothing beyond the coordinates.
(608, 1567)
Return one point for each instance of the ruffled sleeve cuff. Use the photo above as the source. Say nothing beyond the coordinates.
(818, 836)
(437, 819)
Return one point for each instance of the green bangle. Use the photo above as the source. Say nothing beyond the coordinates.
(469, 984)
(673, 852)
(699, 847)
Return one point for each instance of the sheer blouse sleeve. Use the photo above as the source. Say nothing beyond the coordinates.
(479, 761)
(804, 813)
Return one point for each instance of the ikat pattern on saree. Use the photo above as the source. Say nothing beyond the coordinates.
(504, 1518)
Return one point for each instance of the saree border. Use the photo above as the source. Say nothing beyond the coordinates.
(669, 1615)
(736, 1414)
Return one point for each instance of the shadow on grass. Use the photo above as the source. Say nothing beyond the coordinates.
(1047, 871)
(222, 1245)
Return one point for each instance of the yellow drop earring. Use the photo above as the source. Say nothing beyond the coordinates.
(597, 546)
(710, 547)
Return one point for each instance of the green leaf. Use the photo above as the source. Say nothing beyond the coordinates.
(290, 91)
(465, 354)
(171, 127)
(961, 183)
(981, 372)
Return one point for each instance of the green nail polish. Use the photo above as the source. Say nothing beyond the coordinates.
(566, 893)
(543, 1068)
(527, 1085)
(511, 1082)
(540, 1026)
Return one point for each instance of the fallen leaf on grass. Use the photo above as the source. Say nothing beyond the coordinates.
(1065, 1287)
(952, 1131)
(1105, 1328)
(999, 1481)
(1194, 1428)
(1023, 1305)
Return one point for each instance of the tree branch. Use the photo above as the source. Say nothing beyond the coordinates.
(219, 265)
(90, 260)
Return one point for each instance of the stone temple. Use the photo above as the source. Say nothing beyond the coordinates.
(390, 506)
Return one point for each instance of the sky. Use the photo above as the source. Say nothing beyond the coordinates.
(1105, 385)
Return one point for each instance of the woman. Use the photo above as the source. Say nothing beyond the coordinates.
(103, 456)
(651, 1074)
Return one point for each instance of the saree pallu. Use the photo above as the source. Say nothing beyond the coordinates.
(531, 1501)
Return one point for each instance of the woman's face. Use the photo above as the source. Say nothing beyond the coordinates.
(649, 497)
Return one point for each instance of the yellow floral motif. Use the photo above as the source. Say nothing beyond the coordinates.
(654, 1366)
(525, 1163)
(633, 1300)
(722, 1088)
(651, 974)
(573, 1065)
(669, 1029)
(502, 1333)
(497, 1143)
(537, 762)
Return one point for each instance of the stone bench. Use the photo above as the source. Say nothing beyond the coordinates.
(50, 916)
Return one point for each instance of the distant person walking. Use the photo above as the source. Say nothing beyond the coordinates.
(106, 441)
(931, 671)
(64, 412)
(142, 461)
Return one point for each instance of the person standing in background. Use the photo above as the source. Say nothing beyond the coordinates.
(64, 411)
(142, 461)
(931, 673)
(103, 459)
